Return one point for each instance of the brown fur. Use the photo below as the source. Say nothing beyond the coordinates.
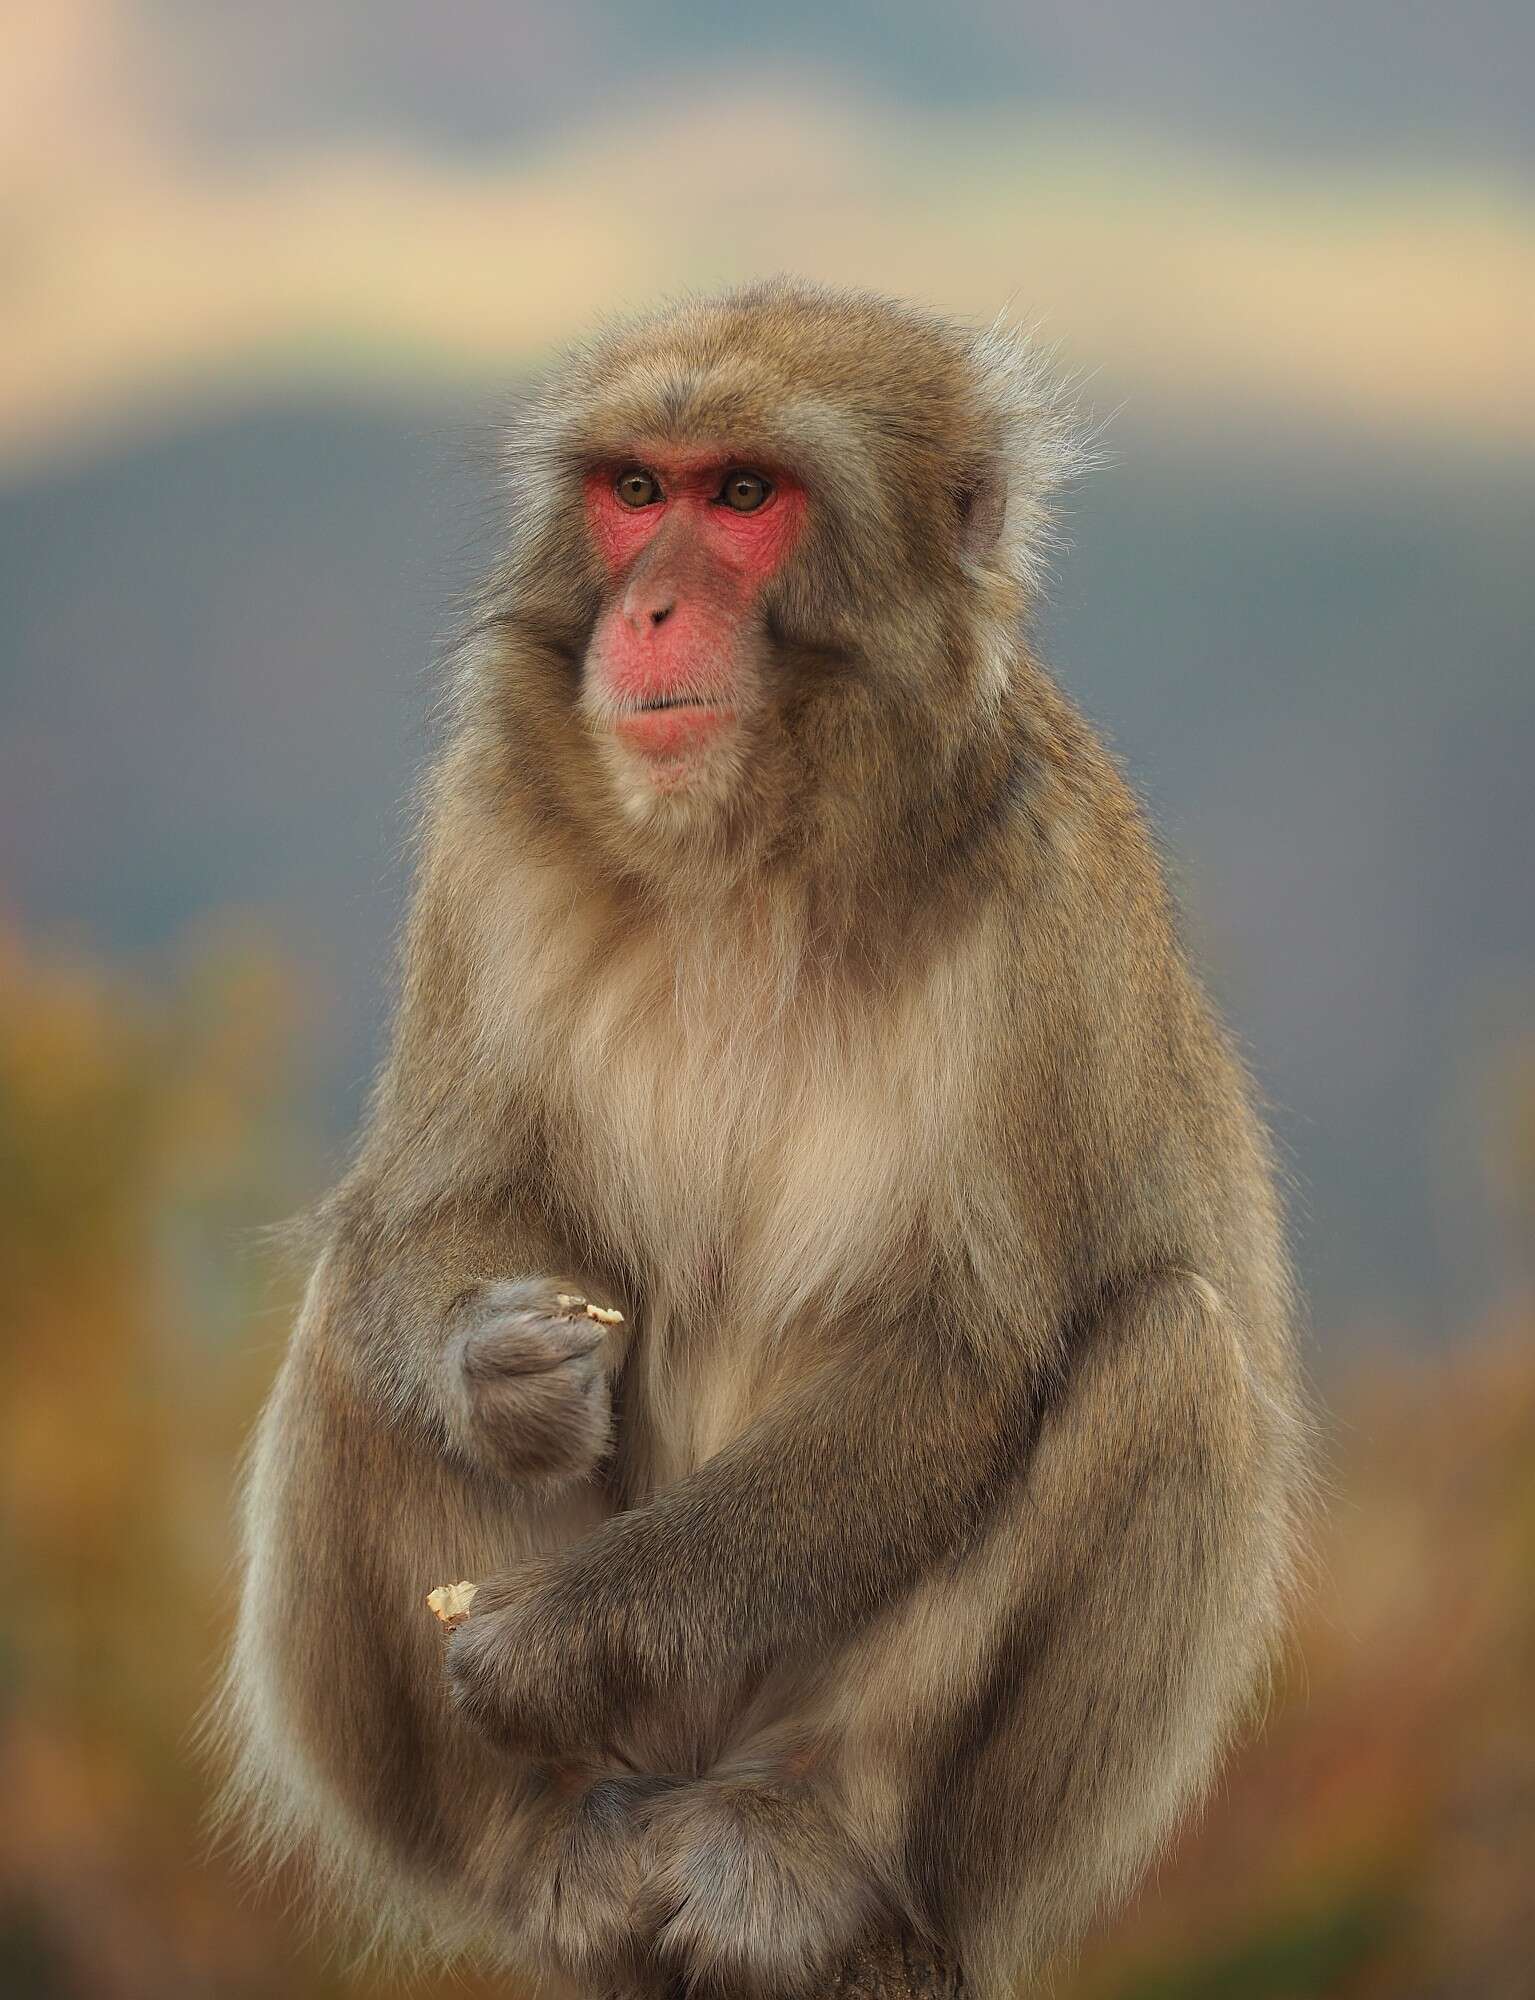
(945, 1532)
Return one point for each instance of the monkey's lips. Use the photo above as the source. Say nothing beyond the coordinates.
(670, 731)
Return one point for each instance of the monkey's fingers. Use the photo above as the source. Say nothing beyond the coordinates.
(523, 1345)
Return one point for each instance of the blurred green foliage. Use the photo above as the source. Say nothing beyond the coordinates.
(1376, 1840)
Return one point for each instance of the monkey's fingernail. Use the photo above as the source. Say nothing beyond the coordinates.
(605, 1315)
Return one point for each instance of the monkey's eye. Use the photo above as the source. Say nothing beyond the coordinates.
(745, 491)
(636, 488)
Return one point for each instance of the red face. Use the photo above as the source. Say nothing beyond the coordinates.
(688, 541)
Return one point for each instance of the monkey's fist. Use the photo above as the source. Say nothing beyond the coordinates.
(528, 1382)
(547, 1663)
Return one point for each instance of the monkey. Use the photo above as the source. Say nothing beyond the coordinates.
(791, 970)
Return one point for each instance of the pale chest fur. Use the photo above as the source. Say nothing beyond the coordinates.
(758, 1149)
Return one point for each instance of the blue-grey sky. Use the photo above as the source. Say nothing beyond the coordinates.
(1299, 77)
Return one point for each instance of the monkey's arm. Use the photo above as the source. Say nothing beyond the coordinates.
(819, 1515)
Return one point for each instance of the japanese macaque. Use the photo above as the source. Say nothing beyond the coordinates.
(790, 971)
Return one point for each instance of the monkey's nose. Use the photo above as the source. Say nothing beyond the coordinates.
(644, 610)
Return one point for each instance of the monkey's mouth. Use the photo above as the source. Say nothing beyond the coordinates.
(670, 727)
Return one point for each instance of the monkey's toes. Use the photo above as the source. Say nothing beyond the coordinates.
(750, 1888)
(582, 1871)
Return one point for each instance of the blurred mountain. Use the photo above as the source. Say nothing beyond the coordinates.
(214, 688)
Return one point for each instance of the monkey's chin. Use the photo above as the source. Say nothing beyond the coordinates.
(686, 756)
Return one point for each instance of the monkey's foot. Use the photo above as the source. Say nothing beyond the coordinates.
(750, 1888)
(581, 1871)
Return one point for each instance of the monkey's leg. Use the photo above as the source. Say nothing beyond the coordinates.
(1022, 1733)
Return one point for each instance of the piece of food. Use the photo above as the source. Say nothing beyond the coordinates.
(450, 1602)
(577, 1308)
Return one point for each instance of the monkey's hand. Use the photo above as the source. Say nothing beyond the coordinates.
(547, 1663)
(527, 1386)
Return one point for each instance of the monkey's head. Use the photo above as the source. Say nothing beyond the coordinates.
(769, 559)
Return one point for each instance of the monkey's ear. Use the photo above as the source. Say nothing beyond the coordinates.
(981, 503)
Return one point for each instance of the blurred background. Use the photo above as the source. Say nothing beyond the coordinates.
(267, 276)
